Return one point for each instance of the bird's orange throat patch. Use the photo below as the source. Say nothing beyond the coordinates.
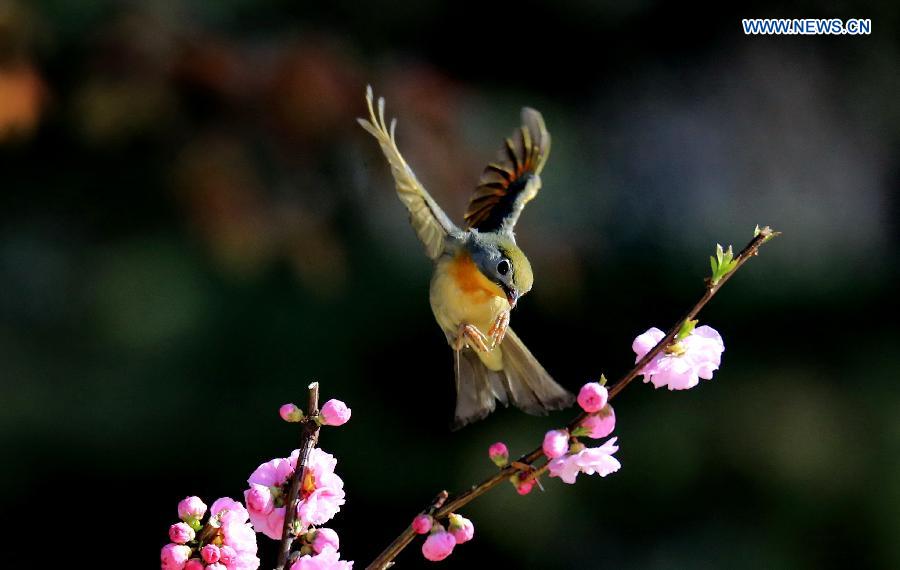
(471, 281)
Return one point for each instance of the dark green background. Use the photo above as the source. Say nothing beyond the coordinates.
(193, 227)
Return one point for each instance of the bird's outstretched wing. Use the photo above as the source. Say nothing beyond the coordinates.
(430, 223)
(513, 180)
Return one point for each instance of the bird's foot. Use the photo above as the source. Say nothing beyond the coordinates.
(469, 335)
(498, 330)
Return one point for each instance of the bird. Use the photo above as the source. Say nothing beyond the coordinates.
(479, 272)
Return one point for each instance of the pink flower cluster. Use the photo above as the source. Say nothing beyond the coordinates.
(441, 541)
(684, 362)
(225, 542)
(321, 493)
(567, 456)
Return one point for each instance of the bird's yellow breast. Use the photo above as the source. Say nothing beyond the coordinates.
(460, 293)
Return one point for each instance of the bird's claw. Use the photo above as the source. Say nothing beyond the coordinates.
(498, 330)
(469, 335)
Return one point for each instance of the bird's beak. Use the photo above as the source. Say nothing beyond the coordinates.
(512, 297)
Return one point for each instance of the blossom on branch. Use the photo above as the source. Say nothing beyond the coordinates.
(227, 542)
(321, 492)
(556, 443)
(323, 539)
(290, 413)
(422, 524)
(592, 397)
(438, 545)
(599, 425)
(695, 354)
(191, 510)
(179, 533)
(499, 454)
(461, 528)
(587, 460)
(334, 413)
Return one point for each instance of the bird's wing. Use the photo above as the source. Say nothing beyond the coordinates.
(513, 179)
(430, 223)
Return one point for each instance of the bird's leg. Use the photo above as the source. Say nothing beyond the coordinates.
(498, 330)
(469, 335)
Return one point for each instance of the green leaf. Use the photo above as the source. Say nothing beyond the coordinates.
(722, 264)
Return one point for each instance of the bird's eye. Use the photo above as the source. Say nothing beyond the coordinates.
(503, 267)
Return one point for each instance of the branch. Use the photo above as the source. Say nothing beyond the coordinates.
(385, 559)
(308, 439)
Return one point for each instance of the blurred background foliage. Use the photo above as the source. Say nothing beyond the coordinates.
(194, 227)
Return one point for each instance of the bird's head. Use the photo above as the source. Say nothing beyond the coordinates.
(501, 261)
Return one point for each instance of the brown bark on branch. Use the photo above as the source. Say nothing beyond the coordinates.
(308, 439)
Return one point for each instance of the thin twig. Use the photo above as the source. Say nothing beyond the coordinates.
(385, 559)
(308, 439)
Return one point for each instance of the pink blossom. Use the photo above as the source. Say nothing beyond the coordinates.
(499, 454)
(592, 397)
(601, 424)
(180, 533)
(266, 515)
(438, 545)
(422, 524)
(321, 492)
(556, 443)
(682, 364)
(210, 553)
(191, 508)
(194, 564)
(174, 556)
(237, 535)
(290, 413)
(461, 528)
(325, 538)
(334, 413)
(589, 460)
(328, 559)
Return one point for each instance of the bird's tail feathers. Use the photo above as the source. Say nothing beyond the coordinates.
(522, 381)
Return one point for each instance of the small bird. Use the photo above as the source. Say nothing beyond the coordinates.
(479, 271)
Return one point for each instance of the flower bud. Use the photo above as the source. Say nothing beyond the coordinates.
(174, 556)
(259, 499)
(599, 425)
(325, 538)
(179, 533)
(422, 524)
(290, 413)
(210, 553)
(438, 545)
(461, 528)
(334, 413)
(194, 564)
(227, 555)
(191, 508)
(499, 454)
(592, 397)
(556, 443)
